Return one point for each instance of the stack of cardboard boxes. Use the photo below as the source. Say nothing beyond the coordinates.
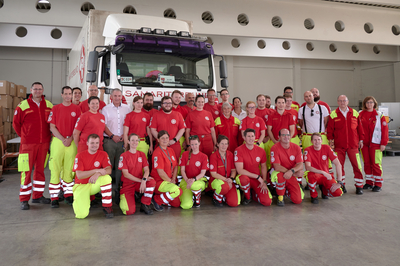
(10, 96)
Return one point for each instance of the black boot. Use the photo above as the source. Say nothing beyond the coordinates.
(146, 209)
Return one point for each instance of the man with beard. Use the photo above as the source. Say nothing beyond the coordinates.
(176, 97)
(315, 93)
(148, 102)
(172, 122)
(267, 101)
(189, 98)
(210, 105)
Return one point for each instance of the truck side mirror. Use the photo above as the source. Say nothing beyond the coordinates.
(224, 83)
(91, 77)
(92, 61)
(222, 69)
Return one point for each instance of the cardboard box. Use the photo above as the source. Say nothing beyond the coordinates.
(6, 101)
(21, 91)
(7, 128)
(6, 114)
(13, 89)
(4, 87)
(16, 101)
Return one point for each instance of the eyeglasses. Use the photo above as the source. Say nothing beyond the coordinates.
(211, 95)
(369, 102)
(285, 135)
(312, 112)
(253, 107)
(169, 103)
(224, 94)
(193, 137)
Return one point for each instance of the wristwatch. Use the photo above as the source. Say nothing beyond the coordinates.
(195, 179)
(292, 170)
(258, 177)
(174, 139)
(233, 179)
(144, 178)
(111, 136)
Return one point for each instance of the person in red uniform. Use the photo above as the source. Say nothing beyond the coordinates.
(254, 122)
(376, 134)
(138, 122)
(194, 165)
(276, 121)
(170, 121)
(211, 106)
(189, 106)
(223, 176)
(63, 149)
(317, 99)
(76, 95)
(201, 123)
(93, 91)
(345, 134)
(295, 139)
(316, 159)
(164, 172)
(249, 159)
(91, 122)
(148, 104)
(263, 112)
(288, 166)
(176, 97)
(30, 123)
(289, 90)
(228, 125)
(224, 98)
(135, 178)
(93, 169)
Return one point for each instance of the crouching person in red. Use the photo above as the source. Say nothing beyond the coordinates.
(317, 166)
(287, 161)
(165, 168)
(248, 159)
(92, 168)
(135, 177)
(223, 175)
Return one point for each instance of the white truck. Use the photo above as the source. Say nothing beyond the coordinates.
(140, 54)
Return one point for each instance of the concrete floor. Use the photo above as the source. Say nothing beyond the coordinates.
(350, 230)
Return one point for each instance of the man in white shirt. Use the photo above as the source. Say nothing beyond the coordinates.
(313, 118)
(113, 143)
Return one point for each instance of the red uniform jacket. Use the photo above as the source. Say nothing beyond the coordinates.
(368, 121)
(345, 132)
(30, 121)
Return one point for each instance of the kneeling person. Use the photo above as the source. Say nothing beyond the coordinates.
(248, 159)
(93, 169)
(287, 161)
(194, 165)
(317, 166)
(133, 163)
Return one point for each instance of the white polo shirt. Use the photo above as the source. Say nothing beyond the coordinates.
(313, 122)
(115, 117)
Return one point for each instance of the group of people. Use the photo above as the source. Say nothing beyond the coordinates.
(234, 155)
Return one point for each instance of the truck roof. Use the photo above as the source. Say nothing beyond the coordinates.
(114, 22)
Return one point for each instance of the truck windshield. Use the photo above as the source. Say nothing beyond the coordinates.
(162, 68)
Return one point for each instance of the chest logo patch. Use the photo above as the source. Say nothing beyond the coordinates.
(140, 159)
(207, 118)
(73, 114)
(292, 157)
(258, 159)
(216, 112)
(197, 164)
(324, 157)
(144, 119)
(258, 125)
(173, 121)
(102, 121)
(96, 163)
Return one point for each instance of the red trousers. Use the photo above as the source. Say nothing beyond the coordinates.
(231, 195)
(168, 194)
(128, 192)
(206, 145)
(354, 157)
(291, 186)
(37, 157)
(314, 179)
(263, 198)
(372, 157)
